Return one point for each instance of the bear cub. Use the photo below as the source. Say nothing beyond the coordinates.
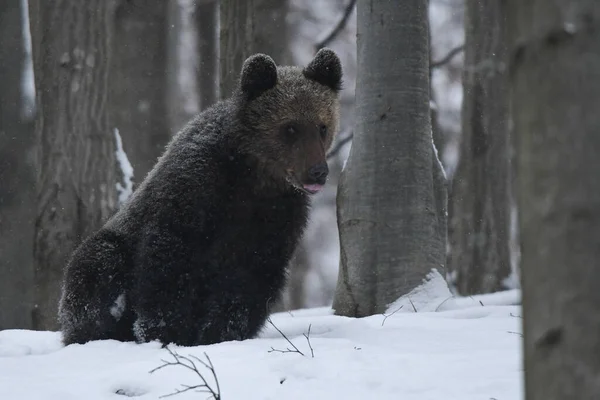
(201, 247)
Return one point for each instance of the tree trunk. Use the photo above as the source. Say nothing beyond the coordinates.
(248, 27)
(206, 16)
(182, 103)
(390, 216)
(138, 81)
(270, 31)
(480, 234)
(235, 38)
(555, 82)
(17, 176)
(76, 148)
(259, 26)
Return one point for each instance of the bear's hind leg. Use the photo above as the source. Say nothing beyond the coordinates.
(164, 294)
(94, 303)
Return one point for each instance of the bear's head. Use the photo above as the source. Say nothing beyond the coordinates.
(291, 115)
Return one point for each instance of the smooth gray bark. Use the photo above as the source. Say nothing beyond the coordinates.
(555, 83)
(17, 176)
(480, 212)
(138, 82)
(76, 164)
(391, 219)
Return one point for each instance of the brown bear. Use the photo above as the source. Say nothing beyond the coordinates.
(201, 248)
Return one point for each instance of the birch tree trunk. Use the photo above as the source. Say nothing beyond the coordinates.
(76, 148)
(138, 81)
(17, 176)
(391, 218)
(555, 82)
(480, 219)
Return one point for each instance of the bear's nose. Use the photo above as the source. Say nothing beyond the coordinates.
(318, 173)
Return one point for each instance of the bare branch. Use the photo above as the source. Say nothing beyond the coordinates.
(339, 145)
(294, 349)
(448, 57)
(338, 28)
(288, 350)
(188, 363)
(307, 336)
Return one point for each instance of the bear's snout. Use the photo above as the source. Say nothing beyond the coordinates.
(318, 173)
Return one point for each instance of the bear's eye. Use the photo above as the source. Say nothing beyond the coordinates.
(323, 132)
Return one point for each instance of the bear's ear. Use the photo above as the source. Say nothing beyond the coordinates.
(326, 69)
(259, 74)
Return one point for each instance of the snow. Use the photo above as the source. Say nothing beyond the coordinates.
(27, 78)
(126, 188)
(469, 349)
(118, 307)
(437, 157)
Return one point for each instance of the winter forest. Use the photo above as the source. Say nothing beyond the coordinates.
(451, 253)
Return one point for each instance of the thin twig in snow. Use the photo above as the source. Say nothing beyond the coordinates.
(288, 350)
(480, 302)
(438, 307)
(389, 315)
(307, 336)
(188, 363)
(338, 28)
(412, 304)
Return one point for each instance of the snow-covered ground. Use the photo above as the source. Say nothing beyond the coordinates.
(450, 349)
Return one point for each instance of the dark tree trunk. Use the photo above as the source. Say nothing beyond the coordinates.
(259, 26)
(391, 218)
(235, 42)
(17, 176)
(555, 82)
(76, 147)
(248, 27)
(480, 219)
(138, 81)
(270, 31)
(206, 16)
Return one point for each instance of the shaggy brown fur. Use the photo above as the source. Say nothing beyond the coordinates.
(201, 248)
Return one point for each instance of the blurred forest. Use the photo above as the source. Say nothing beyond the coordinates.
(503, 93)
(159, 63)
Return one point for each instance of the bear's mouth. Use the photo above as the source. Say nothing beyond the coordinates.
(312, 188)
(308, 188)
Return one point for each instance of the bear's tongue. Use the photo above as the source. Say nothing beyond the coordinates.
(313, 187)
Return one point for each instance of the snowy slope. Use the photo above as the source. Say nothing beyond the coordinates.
(469, 351)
